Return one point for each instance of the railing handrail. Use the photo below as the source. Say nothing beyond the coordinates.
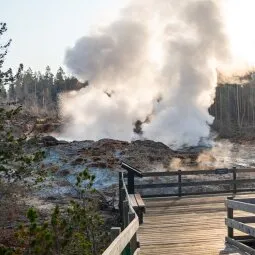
(182, 183)
(241, 224)
(194, 183)
(217, 171)
(124, 238)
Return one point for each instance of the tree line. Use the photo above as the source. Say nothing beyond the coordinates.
(38, 91)
(234, 107)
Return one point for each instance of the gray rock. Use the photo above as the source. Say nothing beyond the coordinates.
(49, 141)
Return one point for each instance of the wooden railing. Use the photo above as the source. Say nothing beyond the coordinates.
(199, 180)
(124, 239)
(244, 242)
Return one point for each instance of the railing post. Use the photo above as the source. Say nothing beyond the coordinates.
(120, 195)
(123, 198)
(115, 231)
(234, 180)
(133, 241)
(230, 216)
(131, 182)
(125, 213)
(179, 183)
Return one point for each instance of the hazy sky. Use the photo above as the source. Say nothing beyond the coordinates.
(42, 29)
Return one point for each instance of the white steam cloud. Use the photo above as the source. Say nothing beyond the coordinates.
(157, 64)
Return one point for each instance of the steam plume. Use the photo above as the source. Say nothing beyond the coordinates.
(158, 64)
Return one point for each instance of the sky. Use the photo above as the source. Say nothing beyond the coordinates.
(42, 30)
(240, 20)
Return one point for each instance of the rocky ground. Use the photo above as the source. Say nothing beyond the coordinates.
(64, 160)
(103, 158)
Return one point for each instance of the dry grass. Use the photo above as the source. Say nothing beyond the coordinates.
(12, 212)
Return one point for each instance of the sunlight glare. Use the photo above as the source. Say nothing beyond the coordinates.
(240, 20)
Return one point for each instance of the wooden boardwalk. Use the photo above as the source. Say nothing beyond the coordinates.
(186, 226)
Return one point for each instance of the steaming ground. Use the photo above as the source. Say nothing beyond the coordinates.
(156, 64)
(222, 154)
(64, 160)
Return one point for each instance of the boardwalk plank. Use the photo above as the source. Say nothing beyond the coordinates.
(186, 226)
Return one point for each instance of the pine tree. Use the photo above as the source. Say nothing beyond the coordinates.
(3, 93)
(12, 93)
